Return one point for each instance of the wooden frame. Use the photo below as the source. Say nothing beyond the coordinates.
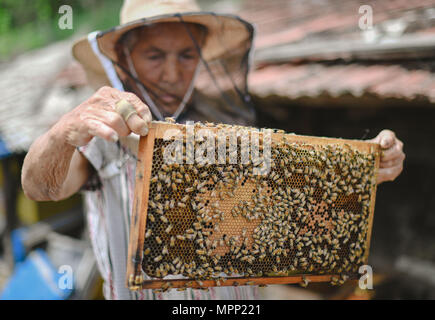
(135, 279)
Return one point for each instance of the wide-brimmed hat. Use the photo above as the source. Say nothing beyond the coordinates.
(224, 32)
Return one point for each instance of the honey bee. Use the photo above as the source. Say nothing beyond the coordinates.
(165, 250)
(197, 225)
(189, 189)
(154, 179)
(169, 228)
(152, 204)
(203, 174)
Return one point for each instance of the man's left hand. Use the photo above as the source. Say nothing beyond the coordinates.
(392, 156)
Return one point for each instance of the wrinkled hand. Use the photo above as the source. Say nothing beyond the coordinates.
(392, 157)
(97, 117)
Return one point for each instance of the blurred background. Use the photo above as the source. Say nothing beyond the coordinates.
(319, 69)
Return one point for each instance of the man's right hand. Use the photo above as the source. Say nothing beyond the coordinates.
(97, 117)
(53, 169)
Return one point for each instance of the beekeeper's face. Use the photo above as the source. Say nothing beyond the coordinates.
(165, 59)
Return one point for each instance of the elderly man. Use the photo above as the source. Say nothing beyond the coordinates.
(162, 60)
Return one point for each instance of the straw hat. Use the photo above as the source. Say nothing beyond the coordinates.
(224, 31)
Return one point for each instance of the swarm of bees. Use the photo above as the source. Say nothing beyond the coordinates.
(308, 215)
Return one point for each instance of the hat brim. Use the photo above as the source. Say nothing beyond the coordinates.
(225, 33)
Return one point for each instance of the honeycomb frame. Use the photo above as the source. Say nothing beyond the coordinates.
(288, 230)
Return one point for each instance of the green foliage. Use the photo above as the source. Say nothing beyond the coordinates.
(30, 24)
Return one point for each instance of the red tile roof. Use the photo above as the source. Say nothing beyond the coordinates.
(297, 22)
(313, 79)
